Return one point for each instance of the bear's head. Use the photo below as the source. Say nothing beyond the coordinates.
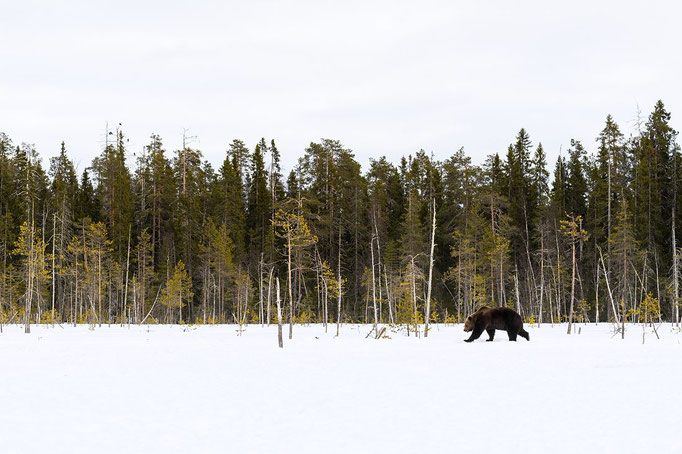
(471, 320)
(469, 323)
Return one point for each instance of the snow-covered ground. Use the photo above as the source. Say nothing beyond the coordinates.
(170, 389)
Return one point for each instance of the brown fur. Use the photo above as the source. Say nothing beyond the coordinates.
(490, 319)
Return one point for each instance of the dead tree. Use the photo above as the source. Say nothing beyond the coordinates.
(427, 314)
(279, 318)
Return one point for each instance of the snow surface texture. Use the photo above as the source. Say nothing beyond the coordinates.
(168, 389)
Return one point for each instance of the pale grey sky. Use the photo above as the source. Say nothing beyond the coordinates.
(384, 77)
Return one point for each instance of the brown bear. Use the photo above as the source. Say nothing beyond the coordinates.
(491, 318)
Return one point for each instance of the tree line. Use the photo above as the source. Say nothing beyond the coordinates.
(165, 237)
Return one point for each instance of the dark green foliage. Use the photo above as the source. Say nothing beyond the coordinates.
(229, 202)
(498, 237)
(115, 193)
(87, 205)
(576, 186)
(259, 208)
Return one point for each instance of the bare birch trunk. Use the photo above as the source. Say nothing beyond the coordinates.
(378, 264)
(338, 309)
(279, 318)
(260, 292)
(99, 288)
(125, 292)
(542, 276)
(374, 293)
(492, 259)
(325, 303)
(54, 240)
(676, 279)
(608, 285)
(596, 298)
(269, 294)
(558, 272)
(391, 319)
(291, 292)
(607, 271)
(29, 285)
(570, 313)
(414, 297)
(428, 291)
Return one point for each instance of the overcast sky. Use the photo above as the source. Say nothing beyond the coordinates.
(384, 77)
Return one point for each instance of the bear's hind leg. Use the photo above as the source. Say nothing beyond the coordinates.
(523, 333)
(491, 334)
(512, 334)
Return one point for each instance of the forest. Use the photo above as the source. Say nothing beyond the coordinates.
(165, 237)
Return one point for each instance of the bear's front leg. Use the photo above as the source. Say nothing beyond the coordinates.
(476, 333)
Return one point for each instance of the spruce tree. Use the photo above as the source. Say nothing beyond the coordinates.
(258, 215)
(231, 204)
(114, 191)
(64, 192)
(576, 185)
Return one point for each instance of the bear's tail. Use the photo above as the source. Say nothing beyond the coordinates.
(524, 333)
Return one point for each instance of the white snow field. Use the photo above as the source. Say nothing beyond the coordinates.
(175, 389)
